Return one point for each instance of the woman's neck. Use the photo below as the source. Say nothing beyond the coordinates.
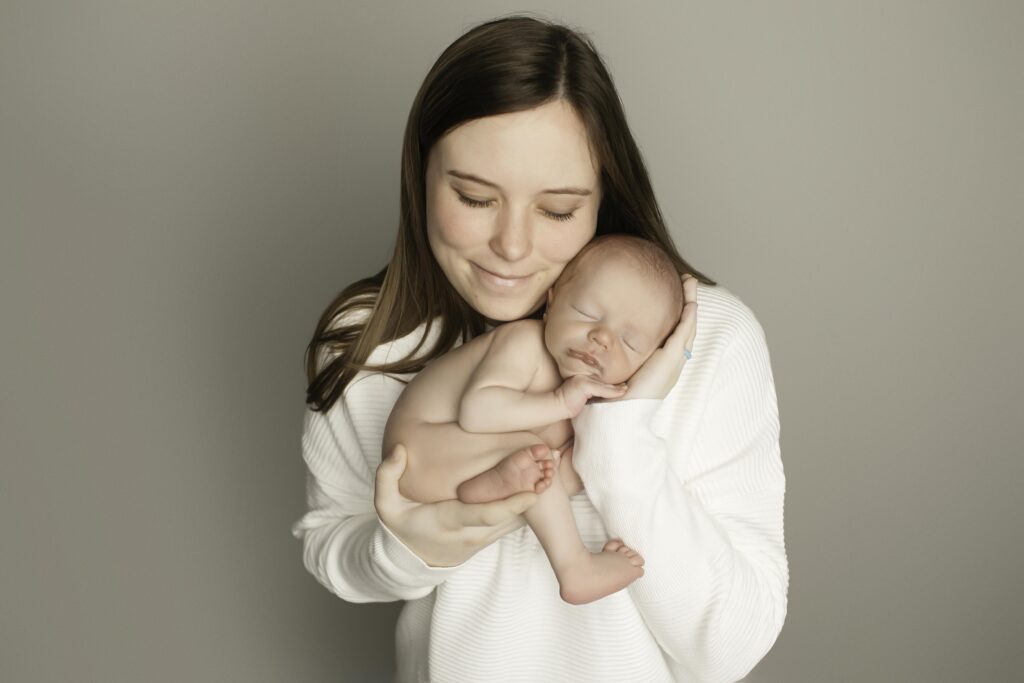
(536, 315)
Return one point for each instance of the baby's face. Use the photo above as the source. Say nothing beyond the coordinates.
(607, 320)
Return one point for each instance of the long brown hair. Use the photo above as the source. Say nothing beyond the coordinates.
(502, 66)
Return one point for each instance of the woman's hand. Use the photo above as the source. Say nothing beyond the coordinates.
(659, 373)
(449, 532)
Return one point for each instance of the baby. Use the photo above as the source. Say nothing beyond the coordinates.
(519, 385)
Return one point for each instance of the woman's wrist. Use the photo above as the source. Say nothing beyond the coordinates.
(405, 558)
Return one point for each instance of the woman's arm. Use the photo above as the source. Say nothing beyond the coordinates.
(716, 577)
(361, 539)
(345, 545)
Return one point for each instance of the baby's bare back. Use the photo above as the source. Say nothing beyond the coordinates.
(425, 418)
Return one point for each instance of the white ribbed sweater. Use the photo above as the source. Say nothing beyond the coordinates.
(694, 483)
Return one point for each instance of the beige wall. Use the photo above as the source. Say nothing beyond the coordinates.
(184, 186)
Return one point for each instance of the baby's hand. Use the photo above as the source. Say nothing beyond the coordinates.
(578, 389)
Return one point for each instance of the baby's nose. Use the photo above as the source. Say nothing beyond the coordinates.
(601, 336)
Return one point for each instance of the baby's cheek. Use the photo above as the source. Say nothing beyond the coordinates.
(633, 368)
(636, 365)
(619, 372)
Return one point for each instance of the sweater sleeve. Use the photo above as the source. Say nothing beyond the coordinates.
(716, 577)
(346, 547)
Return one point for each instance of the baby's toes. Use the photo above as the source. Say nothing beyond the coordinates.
(635, 558)
(612, 545)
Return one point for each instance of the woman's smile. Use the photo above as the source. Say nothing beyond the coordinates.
(499, 282)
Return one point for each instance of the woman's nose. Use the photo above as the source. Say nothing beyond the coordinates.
(513, 240)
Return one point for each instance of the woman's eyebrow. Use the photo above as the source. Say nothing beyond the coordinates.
(582, 191)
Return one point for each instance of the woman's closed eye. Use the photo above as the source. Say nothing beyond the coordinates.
(481, 204)
(475, 203)
(558, 216)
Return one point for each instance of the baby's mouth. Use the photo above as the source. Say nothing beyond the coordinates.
(586, 358)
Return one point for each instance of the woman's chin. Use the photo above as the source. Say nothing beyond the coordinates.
(505, 311)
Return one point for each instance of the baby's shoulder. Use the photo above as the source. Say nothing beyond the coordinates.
(527, 326)
(521, 334)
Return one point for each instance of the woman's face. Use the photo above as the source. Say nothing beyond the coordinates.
(510, 200)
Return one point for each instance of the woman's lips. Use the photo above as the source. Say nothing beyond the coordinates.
(586, 358)
(498, 281)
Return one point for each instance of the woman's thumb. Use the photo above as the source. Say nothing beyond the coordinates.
(393, 465)
(388, 473)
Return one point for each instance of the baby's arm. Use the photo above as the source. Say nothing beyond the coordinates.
(497, 397)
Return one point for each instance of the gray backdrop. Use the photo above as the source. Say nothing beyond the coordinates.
(185, 185)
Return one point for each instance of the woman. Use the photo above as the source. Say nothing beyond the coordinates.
(516, 154)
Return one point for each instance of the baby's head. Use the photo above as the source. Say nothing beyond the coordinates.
(611, 308)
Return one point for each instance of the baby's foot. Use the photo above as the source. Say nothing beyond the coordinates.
(525, 470)
(599, 574)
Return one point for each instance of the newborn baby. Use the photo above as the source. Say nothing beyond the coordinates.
(467, 417)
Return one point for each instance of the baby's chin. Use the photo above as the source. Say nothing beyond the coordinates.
(574, 373)
(566, 373)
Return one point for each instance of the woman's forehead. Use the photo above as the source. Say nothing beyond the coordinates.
(524, 152)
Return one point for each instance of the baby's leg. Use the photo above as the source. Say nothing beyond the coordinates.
(582, 576)
(443, 456)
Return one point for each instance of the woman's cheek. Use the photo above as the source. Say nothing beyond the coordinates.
(566, 241)
(454, 224)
